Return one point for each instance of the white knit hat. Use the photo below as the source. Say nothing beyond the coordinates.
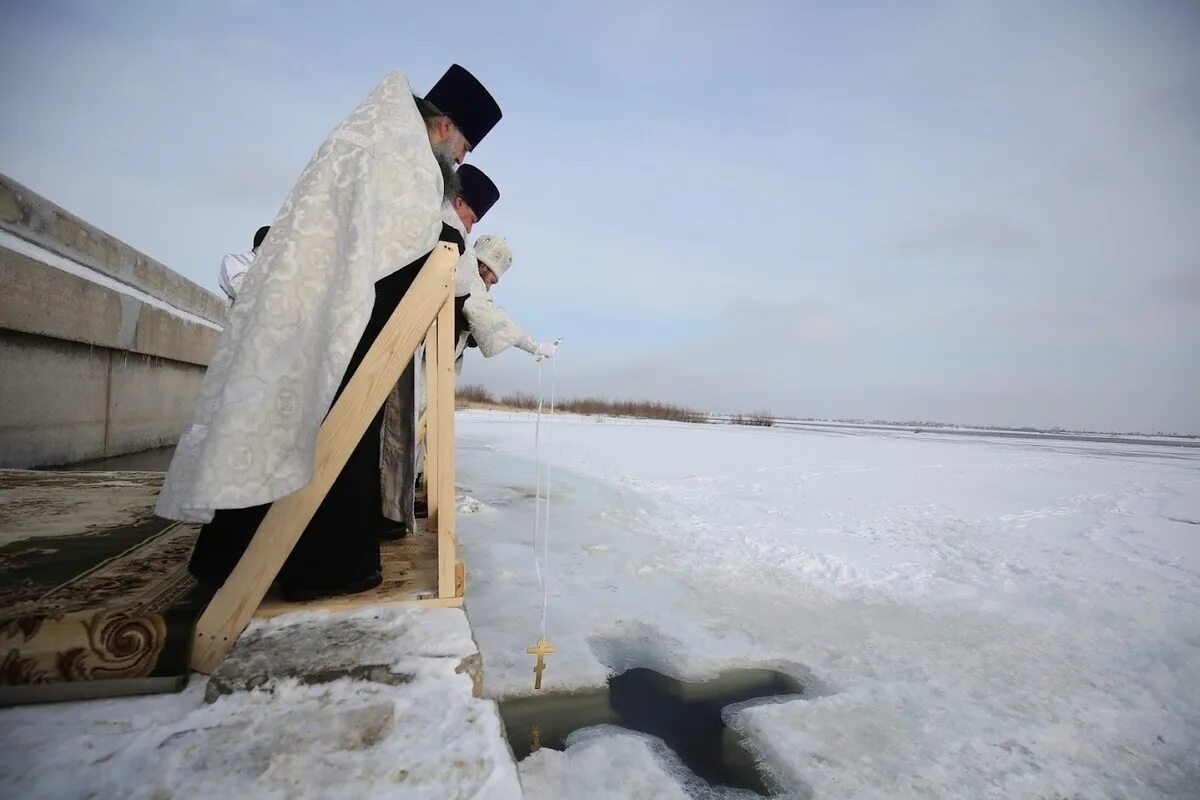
(494, 253)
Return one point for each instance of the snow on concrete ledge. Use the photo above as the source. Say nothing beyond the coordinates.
(426, 736)
(386, 645)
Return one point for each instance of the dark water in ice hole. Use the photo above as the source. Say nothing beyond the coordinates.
(687, 716)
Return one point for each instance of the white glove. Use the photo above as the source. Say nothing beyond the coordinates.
(545, 350)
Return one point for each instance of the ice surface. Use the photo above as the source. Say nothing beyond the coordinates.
(975, 618)
(984, 617)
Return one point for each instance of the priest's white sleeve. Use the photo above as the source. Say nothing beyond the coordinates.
(494, 330)
(233, 271)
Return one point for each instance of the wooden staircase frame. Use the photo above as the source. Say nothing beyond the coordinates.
(426, 313)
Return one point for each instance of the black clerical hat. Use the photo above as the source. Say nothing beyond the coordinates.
(476, 189)
(461, 97)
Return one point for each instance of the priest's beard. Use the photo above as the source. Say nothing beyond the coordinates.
(444, 153)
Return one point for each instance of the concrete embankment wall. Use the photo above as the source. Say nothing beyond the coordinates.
(102, 348)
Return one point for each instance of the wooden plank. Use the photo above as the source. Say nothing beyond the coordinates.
(460, 578)
(432, 498)
(352, 602)
(235, 602)
(410, 577)
(90, 690)
(443, 409)
(421, 428)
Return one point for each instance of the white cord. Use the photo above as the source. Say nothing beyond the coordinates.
(542, 529)
(546, 525)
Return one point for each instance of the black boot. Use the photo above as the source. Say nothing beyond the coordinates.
(392, 531)
(306, 593)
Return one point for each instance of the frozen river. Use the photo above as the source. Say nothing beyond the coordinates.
(975, 617)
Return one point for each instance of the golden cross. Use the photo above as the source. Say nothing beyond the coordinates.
(541, 650)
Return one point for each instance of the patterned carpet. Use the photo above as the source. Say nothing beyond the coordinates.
(93, 587)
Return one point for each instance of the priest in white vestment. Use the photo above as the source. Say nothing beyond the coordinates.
(348, 242)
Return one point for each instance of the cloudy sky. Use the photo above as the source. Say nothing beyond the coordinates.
(968, 212)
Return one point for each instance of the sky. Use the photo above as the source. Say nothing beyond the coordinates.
(982, 213)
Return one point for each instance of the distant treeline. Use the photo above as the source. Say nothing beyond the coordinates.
(1026, 429)
(762, 419)
(645, 409)
(478, 395)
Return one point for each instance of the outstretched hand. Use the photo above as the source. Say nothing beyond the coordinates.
(546, 350)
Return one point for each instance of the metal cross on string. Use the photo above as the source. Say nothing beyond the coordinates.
(541, 650)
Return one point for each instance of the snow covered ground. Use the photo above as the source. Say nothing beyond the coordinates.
(421, 737)
(977, 617)
(974, 618)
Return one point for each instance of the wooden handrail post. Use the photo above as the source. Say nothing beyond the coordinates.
(432, 431)
(443, 408)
